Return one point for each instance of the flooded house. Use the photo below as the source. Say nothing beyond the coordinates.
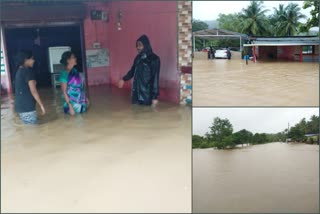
(103, 35)
(312, 138)
(293, 48)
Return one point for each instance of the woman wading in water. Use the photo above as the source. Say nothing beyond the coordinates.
(72, 86)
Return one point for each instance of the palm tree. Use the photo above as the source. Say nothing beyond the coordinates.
(278, 13)
(254, 20)
(277, 19)
(287, 19)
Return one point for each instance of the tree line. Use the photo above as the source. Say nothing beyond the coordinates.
(297, 132)
(221, 135)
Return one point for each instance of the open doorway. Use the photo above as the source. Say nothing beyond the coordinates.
(38, 40)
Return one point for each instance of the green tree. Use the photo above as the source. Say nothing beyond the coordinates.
(253, 19)
(199, 25)
(230, 22)
(278, 137)
(243, 137)
(228, 142)
(197, 141)
(205, 145)
(220, 128)
(314, 20)
(196, 26)
(313, 125)
(277, 17)
(286, 19)
(259, 138)
(296, 133)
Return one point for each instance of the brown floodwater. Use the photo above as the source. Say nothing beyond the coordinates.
(269, 178)
(114, 158)
(224, 82)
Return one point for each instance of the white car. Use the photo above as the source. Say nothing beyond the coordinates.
(221, 53)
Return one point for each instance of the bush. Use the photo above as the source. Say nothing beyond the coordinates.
(228, 142)
(219, 145)
(196, 144)
(204, 145)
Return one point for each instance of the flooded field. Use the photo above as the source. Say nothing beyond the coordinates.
(233, 83)
(269, 178)
(114, 158)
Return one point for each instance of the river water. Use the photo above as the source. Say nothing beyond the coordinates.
(269, 178)
(222, 82)
(114, 158)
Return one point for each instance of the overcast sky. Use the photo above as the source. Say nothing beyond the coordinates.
(209, 10)
(261, 120)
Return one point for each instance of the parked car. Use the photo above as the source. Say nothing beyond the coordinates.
(221, 53)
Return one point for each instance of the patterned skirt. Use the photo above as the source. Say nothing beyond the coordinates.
(78, 108)
(29, 117)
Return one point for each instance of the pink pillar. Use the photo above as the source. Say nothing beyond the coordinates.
(254, 54)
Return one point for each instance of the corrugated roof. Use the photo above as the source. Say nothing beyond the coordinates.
(284, 41)
(215, 32)
(311, 135)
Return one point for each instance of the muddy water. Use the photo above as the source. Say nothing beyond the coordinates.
(270, 178)
(114, 158)
(233, 83)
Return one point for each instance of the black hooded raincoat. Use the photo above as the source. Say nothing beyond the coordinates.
(145, 73)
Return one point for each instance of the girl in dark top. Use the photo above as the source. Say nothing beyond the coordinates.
(26, 94)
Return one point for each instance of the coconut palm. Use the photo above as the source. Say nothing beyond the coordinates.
(277, 18)
(287, 20)
(253, 19)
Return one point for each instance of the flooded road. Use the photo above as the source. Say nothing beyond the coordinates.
(233, 83)
(114, 158)
(269, 178)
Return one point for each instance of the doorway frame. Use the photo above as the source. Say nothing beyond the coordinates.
(15, 25)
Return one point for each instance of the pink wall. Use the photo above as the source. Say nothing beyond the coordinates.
(156, 19)
(96, 31)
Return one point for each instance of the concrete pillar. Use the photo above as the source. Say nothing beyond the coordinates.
(240, 47)
(194, 43)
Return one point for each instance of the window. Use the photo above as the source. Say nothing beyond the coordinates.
(308, 49)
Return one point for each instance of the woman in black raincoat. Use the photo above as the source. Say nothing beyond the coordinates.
(145, 73)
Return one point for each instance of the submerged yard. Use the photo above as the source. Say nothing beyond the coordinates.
(222, 82)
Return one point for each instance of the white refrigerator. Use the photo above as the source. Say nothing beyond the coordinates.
(55, 67)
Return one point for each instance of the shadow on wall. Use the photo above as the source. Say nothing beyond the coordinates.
(3, 90)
